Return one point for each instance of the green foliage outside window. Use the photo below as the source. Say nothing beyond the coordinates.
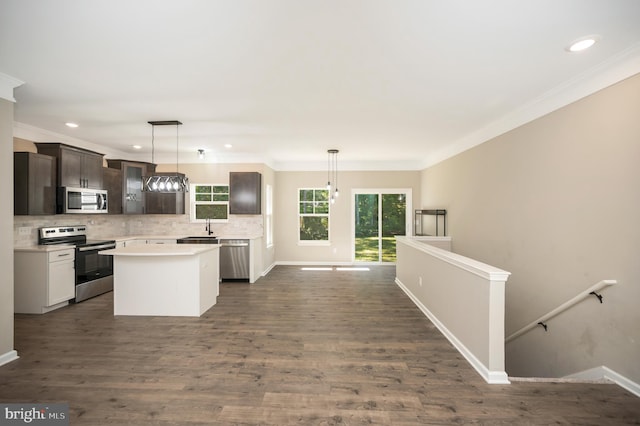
(314, 214)
(211, 202)
(211, 211)
(314, 228)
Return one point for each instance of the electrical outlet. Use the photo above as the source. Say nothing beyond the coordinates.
(24, 230)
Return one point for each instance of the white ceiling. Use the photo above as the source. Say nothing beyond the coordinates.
(392, 84)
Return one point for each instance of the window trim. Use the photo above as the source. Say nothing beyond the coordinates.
(193, 203)
(268, 217)
(326, 242)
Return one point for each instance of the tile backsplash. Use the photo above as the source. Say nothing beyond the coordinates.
(25, 228)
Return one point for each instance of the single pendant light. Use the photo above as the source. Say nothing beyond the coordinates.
(165, 182)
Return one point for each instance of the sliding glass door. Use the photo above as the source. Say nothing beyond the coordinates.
(378, 216)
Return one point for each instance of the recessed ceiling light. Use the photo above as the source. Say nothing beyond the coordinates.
(228, 145)
(583, 43)
(72, 125)
(137, 147)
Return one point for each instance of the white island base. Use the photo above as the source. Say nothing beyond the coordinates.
(165, 279)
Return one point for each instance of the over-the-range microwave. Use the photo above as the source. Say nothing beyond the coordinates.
(81, 200)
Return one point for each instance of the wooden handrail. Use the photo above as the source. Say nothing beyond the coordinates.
(566, 305)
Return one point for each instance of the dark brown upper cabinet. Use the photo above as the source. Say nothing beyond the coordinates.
(164, 202)
(128, 190)
(112, 180)
(77, 168)
(34, 177)
(245, 189)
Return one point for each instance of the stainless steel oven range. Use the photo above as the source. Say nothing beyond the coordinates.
(94, 272)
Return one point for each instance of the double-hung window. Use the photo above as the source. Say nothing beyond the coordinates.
(209, 201)
(313, 211)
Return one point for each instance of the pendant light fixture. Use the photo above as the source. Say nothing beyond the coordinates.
(165, 182)
(332, 173)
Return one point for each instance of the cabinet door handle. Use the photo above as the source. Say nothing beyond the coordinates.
(63, 254)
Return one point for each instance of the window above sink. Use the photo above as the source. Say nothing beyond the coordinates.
(209, 201)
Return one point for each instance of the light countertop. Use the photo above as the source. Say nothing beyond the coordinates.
(56, 247)
(45, 248)
(175, 237)
(161, 250)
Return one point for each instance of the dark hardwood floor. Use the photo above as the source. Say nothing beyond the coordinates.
(297, 347)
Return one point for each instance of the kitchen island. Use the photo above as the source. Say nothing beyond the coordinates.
(165, 279)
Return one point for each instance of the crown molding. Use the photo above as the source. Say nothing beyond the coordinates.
(7, 84)
(620, 67)
(36, 134)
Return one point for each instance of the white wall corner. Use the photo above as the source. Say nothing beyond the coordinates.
(497, 378)
(602, 372)
(7, 84)
(8, 357)
(268, 269)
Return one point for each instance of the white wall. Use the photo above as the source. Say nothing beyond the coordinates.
(462, 297)
(6, 225)
(286, 211)
(556, 203)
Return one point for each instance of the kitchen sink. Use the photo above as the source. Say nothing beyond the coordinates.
(198, 240)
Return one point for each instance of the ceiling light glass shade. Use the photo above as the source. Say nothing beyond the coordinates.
(166, 183)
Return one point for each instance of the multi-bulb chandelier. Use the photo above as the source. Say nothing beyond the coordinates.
(165, 182)
(332, 173)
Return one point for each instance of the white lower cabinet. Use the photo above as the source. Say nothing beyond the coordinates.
(136, 242)
(44, 280)
(62, 277)
(161, 241)
(129, 243)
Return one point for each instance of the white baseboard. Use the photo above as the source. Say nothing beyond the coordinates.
(603, 372)
(269, 268)
(491, 377)
(298, 263)
(8, 357)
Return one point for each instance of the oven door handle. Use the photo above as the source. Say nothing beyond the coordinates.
(101, 202)
(101, 247)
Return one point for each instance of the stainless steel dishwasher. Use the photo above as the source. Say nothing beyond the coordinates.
(234, 260)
